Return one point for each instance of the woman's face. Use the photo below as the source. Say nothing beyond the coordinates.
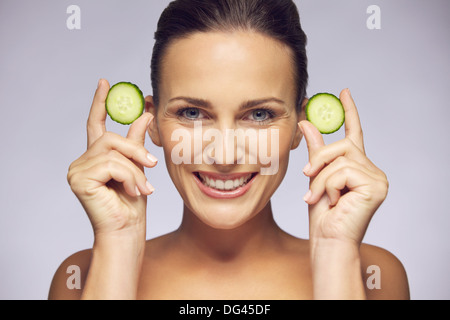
(227, 122)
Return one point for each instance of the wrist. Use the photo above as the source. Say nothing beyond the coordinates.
(332, 246)
(336, 269)
(115, 266)
(120, 239)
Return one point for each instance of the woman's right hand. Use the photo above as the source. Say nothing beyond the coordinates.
(108, 179)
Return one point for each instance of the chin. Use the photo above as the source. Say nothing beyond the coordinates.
(224, 217)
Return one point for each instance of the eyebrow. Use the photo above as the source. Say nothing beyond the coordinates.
(246, 105)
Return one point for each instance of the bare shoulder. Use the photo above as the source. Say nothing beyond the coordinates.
(383, 273)
(70, 277)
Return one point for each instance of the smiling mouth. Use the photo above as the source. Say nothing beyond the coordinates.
(225, 184)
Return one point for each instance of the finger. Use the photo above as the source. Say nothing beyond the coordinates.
(313, 138)
(129, 148)
(113, 156)
(342, 148)
(353, 128)
(345, 178)
(134, 183)
(138, 132)
(139, 128)
(95, 177)
(97, 116)
(321, 183)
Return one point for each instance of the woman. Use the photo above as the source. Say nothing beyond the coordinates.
(228, 65)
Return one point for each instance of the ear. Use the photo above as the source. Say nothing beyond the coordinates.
(301, 115)
(153, 130)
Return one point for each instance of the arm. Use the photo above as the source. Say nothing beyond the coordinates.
(115, 267)
(109, 181)
(336, 268)
(346, 189)
(108, 271)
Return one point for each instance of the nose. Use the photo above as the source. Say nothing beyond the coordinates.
(231, 145)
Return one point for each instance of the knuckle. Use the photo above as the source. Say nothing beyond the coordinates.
(71, 172)
(384, 187)
(383, 182)
(69, 177)
(109, 164)
(73, 180)
(379, 191)
(346, 171)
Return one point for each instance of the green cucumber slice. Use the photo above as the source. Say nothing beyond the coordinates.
(325, 112)
(125, 102)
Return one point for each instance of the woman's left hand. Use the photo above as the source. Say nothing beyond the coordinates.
(346, 188)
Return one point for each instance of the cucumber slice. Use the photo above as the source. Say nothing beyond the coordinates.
(325, 112)
(125, 102)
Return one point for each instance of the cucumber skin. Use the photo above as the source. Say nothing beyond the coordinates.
(318, 95)
(140, 94)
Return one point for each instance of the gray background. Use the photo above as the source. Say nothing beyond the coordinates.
(399, 77)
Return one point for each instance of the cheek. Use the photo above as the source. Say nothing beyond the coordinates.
(274, 149)
(268, 148)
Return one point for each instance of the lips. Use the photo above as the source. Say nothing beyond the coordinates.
(224, 186)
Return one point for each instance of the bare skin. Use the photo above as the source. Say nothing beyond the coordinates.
(168, 272)
(227, 249)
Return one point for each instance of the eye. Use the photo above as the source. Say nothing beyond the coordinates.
(261, 115)
(190, 113)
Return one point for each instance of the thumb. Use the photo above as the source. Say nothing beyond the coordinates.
(313, 137)
(139, 127)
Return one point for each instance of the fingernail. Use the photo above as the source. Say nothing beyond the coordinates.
(152, 158)
(99, 83)
(137, 192)
(307, 168)
(307, 196)
(150, 188)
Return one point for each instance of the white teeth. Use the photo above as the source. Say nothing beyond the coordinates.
(224, 184)
(220, 184)
(229, 184)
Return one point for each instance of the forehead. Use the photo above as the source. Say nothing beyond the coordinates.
(244, 64)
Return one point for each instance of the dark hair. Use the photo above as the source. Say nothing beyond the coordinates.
(278, 19)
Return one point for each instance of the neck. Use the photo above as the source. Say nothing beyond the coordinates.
(258, 234)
